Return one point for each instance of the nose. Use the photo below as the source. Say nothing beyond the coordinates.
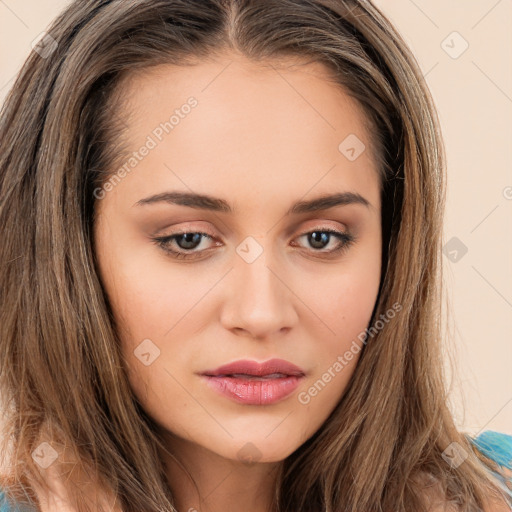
(259, 300)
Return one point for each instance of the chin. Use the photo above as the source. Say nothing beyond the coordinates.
(260, 450)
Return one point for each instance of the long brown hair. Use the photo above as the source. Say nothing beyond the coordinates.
(62, 377)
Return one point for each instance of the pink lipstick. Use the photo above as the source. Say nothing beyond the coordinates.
(253, 383)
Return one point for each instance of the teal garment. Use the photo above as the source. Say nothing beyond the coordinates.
(498, 447)
(495, 445)
(9, 507)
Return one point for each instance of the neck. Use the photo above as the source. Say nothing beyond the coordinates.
(222, 484)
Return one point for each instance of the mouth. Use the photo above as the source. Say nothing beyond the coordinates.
(252, 383)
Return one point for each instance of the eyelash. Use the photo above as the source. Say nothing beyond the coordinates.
(346, 240)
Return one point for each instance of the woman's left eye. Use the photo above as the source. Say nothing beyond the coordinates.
(188, 242)
(319, 237)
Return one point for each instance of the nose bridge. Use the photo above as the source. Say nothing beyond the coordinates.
(259, 301)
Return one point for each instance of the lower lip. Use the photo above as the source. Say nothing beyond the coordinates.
(254, 391)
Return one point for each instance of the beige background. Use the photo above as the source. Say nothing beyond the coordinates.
(473, 93)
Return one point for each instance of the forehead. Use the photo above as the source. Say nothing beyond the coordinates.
(268, 125)
(230, 87)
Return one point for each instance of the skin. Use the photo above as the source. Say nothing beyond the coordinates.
(261, 138)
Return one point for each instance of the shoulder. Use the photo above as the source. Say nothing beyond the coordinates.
(7, 506)
(433, 497)
(56, 498)
(496, 446)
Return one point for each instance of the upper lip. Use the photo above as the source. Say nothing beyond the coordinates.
(247, 367)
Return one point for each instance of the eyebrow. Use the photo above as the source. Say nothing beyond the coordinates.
(205, 202)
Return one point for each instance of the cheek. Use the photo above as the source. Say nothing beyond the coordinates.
(150, 297)
(346, 309)
(158, 308)
(343, 304)
(342, 297)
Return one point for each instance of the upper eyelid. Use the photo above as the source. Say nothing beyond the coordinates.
(316, 227)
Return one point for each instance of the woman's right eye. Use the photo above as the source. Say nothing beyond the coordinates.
(186, 241)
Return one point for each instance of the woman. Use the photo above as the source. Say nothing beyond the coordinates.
(220, 286)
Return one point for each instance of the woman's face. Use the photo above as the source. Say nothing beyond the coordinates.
(241, 153)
